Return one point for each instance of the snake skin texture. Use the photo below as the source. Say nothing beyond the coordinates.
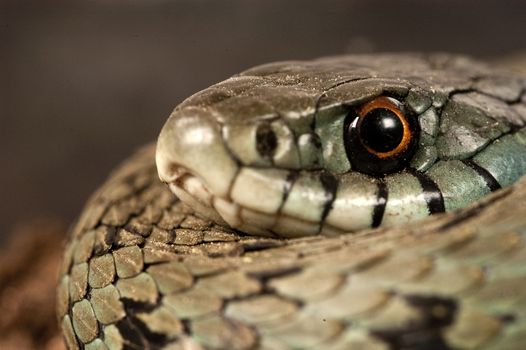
(142, 270)
(269, 151)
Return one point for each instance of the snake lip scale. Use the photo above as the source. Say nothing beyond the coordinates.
(348, 202)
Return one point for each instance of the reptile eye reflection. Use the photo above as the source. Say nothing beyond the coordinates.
(380, 136)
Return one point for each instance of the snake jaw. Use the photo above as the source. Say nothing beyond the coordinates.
(194, 193)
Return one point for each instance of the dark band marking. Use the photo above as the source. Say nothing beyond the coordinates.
(287, 187)
(426, 332)
(289, 182)
(492, 183)
(507, 318)
(129, 331)
(136, 331)
(381, 202)
(432, 194)
(330, 185)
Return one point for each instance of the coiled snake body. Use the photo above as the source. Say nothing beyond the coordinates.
(307, 188)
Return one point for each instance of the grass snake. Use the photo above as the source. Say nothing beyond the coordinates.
(302, 215)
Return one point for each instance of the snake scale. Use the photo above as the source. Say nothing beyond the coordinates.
(302, 221)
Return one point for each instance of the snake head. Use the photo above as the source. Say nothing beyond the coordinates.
(342, 144)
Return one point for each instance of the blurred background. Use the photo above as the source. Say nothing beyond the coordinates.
(84, 83)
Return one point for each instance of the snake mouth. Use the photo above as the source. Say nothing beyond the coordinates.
(192, 191)
(195, 193)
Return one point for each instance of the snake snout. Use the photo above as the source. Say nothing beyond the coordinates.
(191, 143)
(193, 160)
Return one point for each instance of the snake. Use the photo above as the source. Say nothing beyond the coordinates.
(346, 202)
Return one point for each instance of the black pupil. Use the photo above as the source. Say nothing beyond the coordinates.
(381, 130)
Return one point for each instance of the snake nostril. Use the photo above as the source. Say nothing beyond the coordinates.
(266, 141)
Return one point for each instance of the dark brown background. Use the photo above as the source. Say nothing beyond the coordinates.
(83, 83)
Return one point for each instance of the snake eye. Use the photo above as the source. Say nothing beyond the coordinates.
(380, 136)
